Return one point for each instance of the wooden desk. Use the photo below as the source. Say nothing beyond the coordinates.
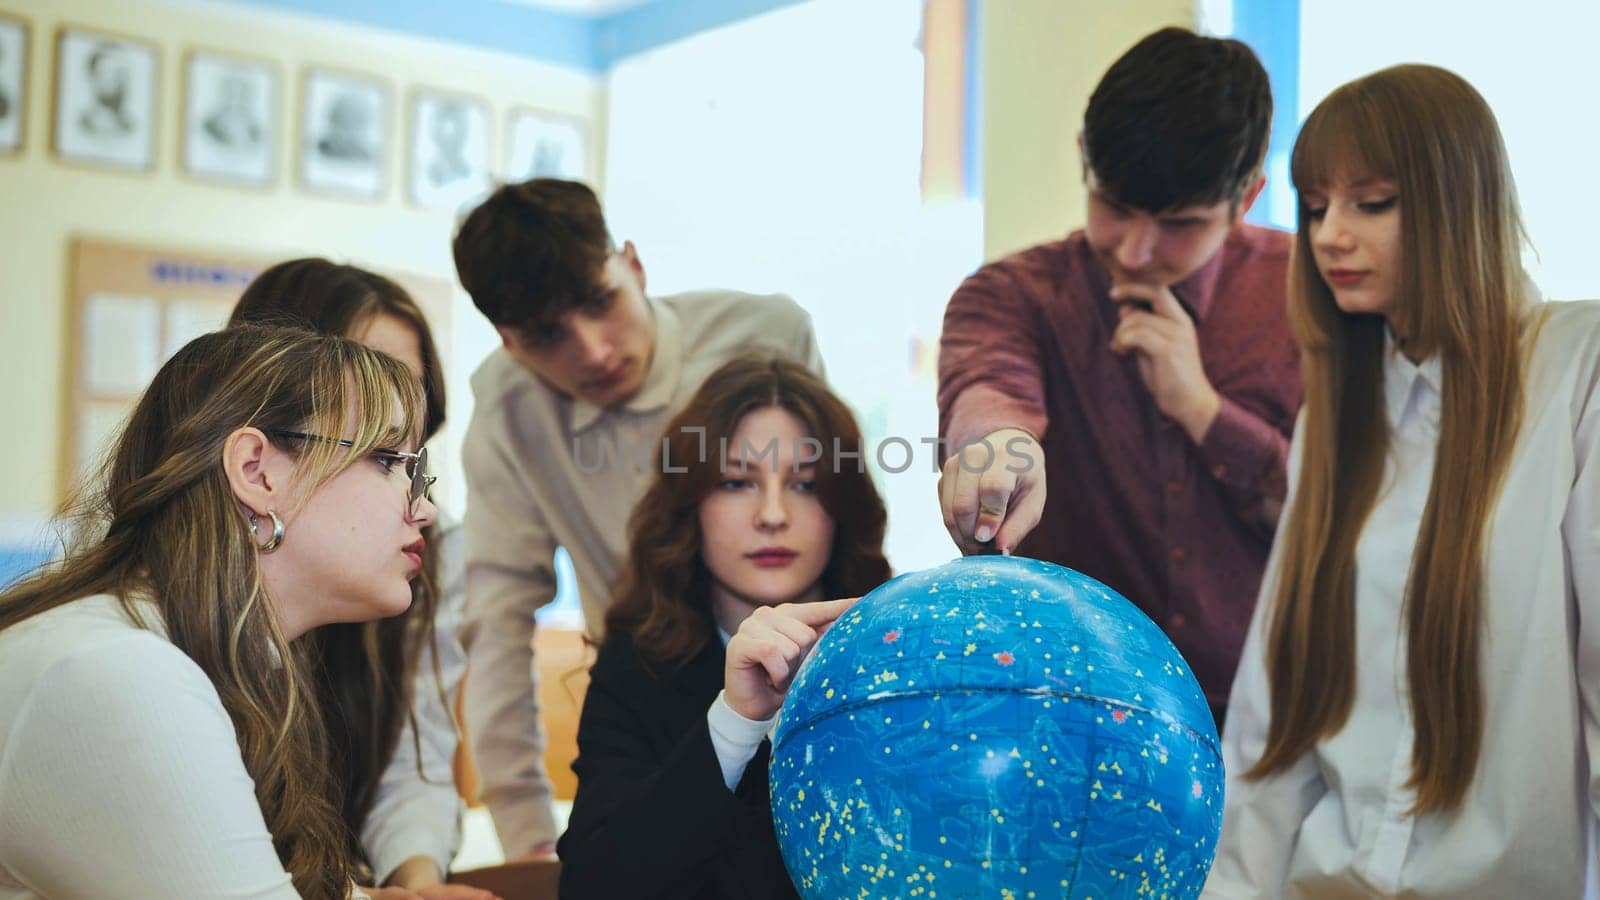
(539, 880)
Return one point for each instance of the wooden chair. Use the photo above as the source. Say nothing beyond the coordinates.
(564, 661)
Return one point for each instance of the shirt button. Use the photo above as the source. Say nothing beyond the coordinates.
(1178, 554)
(1221, 471)
(1176, 620)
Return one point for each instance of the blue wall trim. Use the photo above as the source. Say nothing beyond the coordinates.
(972, 126)
(563, 39)
(587, 43)
(1272, 29)
(15, 562)
(643, 28)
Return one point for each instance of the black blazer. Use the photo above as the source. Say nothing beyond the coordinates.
(653, 817)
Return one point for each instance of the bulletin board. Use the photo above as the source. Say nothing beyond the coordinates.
(132, 306)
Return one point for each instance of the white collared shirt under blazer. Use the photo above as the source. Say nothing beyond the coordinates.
(1335, 824)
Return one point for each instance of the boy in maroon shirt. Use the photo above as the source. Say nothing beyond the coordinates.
(1143, 368)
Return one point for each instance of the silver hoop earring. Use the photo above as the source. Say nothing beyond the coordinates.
(277, 533)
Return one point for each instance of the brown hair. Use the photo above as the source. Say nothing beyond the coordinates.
(174, 533)
(366, 669)
(663, 598)
(332, 298)
(1463, 296)
(532, 253)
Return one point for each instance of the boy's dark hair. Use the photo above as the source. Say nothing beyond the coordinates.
(533, 252)
(1178, 120)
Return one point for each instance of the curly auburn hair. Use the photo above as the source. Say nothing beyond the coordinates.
(663, 595)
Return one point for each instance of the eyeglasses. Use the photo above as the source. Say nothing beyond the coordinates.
(416, 464)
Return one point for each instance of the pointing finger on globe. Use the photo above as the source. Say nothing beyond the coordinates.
(991, 491)
(765, 655)
(820, 614)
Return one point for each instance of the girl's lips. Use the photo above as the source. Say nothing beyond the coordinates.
(413, 552)
(772, 557)
(1346, 277)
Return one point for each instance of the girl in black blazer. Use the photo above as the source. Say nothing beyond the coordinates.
(734, 551)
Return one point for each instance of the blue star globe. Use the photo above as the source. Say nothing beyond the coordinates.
(996, 727)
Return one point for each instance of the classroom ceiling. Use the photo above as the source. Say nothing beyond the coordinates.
(595, 8)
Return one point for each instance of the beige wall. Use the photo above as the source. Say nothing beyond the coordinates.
(1041, 60)
(44, 203)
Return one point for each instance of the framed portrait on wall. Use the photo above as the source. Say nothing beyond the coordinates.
(105, 100)
(230, 118)
(449, 159)
(541, 144)
(13, 82)
(344, 134)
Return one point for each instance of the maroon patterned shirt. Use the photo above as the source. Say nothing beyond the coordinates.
(1180, 529)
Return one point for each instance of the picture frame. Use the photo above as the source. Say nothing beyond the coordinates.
(542, 144)
(344, 134)
(14, 57)
(230, 118)
(106, 93)
(449, 150)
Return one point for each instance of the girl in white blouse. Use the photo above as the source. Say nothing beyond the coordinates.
(1416, 708)
(158, 732)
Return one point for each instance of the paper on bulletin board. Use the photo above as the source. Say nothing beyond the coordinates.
(99, 424)
(188, 319)
(121, 342)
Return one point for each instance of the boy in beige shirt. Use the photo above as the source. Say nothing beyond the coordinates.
(567, 416)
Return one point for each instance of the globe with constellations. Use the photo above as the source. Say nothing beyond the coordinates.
(996, 727)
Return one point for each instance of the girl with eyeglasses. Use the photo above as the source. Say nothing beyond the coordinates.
(160, 734)
(387, 688)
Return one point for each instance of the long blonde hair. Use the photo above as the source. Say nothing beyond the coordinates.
(175, 535)
(1463, 296)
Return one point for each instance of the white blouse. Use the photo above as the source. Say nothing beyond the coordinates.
(412, 814)
(120, 773)
(1334, 824)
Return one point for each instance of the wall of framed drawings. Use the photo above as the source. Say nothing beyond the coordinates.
(348, 136)
(212, 158)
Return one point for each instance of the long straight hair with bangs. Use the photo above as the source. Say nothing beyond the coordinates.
(664, 594)
(174, 534)
(1462, 295)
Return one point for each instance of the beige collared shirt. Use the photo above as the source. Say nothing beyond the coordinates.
(545, 470)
